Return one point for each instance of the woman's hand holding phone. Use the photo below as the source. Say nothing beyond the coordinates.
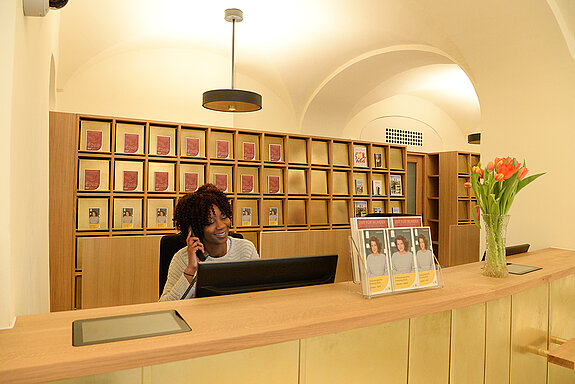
(195, 249)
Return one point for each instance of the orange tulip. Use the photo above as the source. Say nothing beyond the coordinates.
(499, 177)
(508, 168)
(522, 173)
(476, 169)
(467, 185)
(490, 166)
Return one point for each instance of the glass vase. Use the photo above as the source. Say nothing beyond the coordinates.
(495, 234)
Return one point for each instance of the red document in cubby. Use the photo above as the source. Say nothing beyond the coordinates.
(160, 181)
(192, 146)
(221, 181)
(222, 149)
(247, 183)
(93, 140)
(130, 182)
(190, 181)
(163, 144)
(275, 152)
(249, 151)
(91, 179)
(131, 142)
(273, 184)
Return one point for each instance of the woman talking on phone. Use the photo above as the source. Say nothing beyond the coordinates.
(204, 218)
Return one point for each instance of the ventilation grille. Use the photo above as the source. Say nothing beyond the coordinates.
(404, 137)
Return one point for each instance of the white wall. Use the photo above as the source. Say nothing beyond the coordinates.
(26, 47)
(525, 79)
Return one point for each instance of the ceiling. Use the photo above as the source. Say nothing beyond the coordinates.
(332, 63)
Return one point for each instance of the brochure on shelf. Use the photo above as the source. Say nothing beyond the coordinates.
(389, 259)
(222, 149)
(395, 188)
(131, 142)
(249, 150)
(275, 151)
(247, 183)
(192, 146)
(191, 181)
(359, 156)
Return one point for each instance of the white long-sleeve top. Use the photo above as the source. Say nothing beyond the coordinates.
(177, 284)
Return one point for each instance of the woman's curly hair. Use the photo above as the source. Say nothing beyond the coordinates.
(193, 210)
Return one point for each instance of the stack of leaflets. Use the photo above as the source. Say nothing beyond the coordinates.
(393, 254)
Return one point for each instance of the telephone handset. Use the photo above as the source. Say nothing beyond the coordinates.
(199, 253)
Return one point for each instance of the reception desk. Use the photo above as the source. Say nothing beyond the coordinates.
(474, 330)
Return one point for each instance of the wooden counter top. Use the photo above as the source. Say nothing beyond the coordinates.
(39, 347)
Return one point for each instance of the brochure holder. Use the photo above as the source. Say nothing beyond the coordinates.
(394, 260)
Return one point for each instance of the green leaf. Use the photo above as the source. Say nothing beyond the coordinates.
(523, 183)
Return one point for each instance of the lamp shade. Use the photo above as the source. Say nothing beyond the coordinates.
(232, 100)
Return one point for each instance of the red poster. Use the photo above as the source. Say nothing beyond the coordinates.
(190, 181)
(222, 149)
(91, 179)
(192, 146)
(131, 142)
(221, 181)
(275, 152)
(160, 181)
(249, 151)
(273, 184)
(93, 140)
(130, 180)
(247, 183)
(163, 145)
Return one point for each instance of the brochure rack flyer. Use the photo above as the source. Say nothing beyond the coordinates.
(392, 255)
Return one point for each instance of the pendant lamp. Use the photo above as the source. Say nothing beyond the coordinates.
(232, 100)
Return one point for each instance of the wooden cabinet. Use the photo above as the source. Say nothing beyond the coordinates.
(450, 206)
(123, 177)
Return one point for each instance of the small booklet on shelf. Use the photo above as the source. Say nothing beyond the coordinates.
(91, 179)
(359, 187)
(94, 218)
(192, 146)
(94, 140)
(222, 149)
(249, 150)
(275, 151)
(377, 160)
(247, 183)
(161, 217)
(161, 181)
(377, 187)
(359, 156)
(360, 208)
(130, 180)
(246, 217)
(163, 145)
(391, 259)
(131, 142)
(273, 184)
(273, 216)
(191, 181)
(395, 188)
(221, 181)
(127, 218)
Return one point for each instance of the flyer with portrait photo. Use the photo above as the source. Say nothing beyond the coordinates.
(94, 218)
(127, 218)
(246, 217)
(426, 263)
(376, 260)
(273, 216)
(403, 263)
(162, 217)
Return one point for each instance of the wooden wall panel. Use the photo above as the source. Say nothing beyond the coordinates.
(119, 270)
(463, 244)
(62, 212)
(310, 243)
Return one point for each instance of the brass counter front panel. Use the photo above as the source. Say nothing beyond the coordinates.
(529, 322)
(429, 348)
(498, 340)
(375, 354)
(467, 345)
(561, 324)
(276, 363)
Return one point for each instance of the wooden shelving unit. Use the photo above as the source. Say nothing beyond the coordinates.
(449, 203)
(320, 182)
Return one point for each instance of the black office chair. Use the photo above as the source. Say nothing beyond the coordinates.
(169, 245)
(512, 250)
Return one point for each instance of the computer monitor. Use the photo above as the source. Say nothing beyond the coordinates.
(225, 278)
